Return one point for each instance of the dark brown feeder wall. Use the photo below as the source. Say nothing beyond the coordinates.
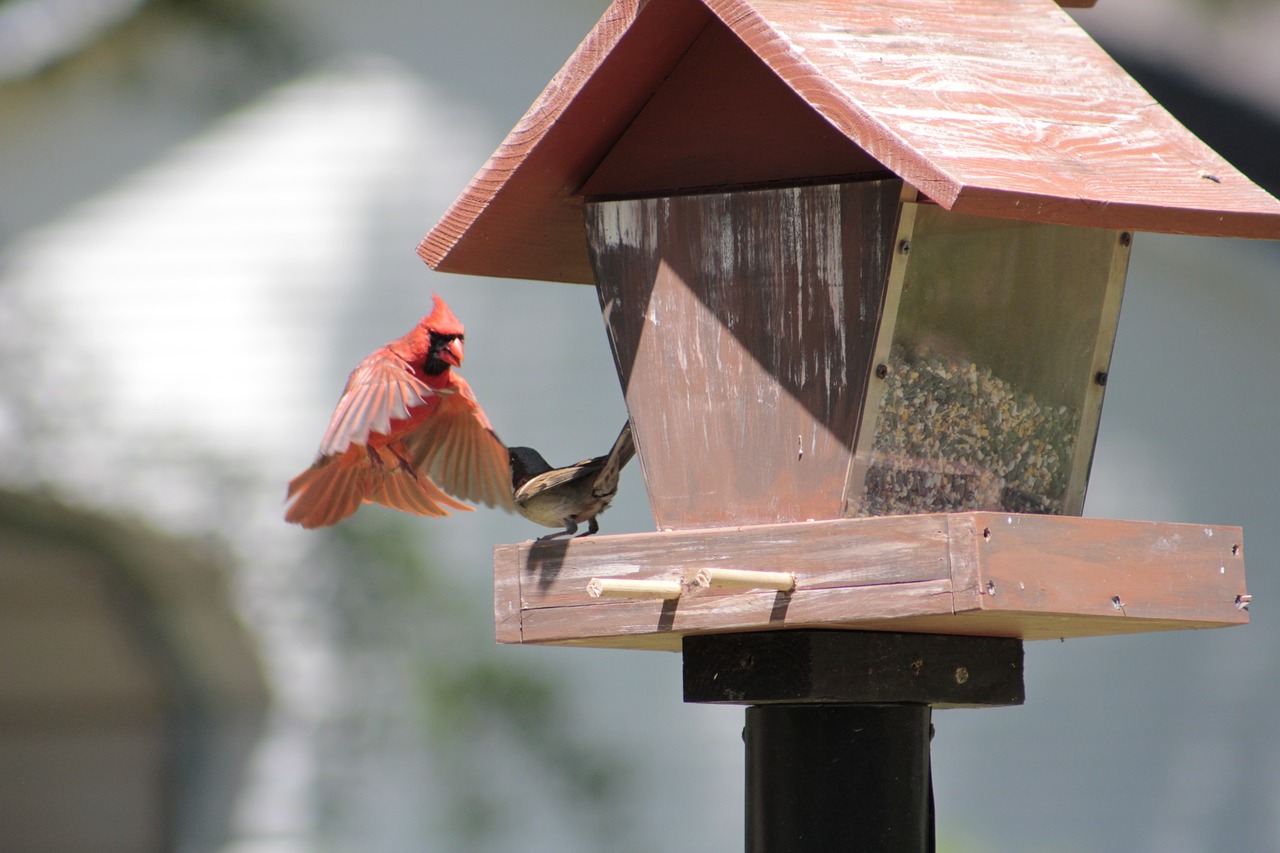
(743, 326)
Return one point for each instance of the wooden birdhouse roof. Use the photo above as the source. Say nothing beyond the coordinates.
(1002, 108)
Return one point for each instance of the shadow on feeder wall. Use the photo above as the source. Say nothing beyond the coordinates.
(768, 303)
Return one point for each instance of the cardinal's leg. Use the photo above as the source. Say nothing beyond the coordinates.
(398, 451)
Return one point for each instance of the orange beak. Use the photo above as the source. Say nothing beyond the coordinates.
(452, 354)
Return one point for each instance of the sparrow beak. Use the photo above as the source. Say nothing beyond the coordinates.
(452, 353)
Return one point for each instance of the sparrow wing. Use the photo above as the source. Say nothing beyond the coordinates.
(382, 388)
(558, 476)
(458, 449)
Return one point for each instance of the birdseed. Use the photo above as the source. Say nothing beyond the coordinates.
(953, 437)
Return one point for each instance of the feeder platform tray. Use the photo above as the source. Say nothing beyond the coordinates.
(1033, 577)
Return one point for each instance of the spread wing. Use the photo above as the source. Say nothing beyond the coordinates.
(457, 448)
(382, 388)
(407, 493)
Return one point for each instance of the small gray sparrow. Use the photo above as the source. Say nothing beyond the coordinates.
(566, 497)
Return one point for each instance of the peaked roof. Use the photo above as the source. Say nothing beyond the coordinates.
(1001, 108)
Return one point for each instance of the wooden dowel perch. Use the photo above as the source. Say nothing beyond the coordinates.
(619, 588)
(783, 581)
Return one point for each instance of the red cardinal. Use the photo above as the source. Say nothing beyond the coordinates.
(406, 430)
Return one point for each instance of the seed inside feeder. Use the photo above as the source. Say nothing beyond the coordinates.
(953, 437)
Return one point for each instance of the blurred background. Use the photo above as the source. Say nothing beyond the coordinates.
(209, 215)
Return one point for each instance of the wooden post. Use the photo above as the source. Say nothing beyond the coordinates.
(838, 727)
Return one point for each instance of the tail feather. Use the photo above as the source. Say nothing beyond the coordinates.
(407, 493)
(326, 493)
(624, 447)
(619, 455)
(334, 487)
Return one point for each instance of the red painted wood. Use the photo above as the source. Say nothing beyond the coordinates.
(743, 326)
(1040, 126)
(724, 119)
(981, 574)
(993, 107)
(521, 216)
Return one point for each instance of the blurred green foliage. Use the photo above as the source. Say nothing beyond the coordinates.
(422, 676)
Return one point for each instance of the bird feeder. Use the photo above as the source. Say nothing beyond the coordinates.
(856, 261)
(861, 266)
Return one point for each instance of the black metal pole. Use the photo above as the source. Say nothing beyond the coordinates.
(838, 726)
(837, 777)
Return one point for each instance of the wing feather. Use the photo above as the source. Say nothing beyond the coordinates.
(382, 388)
(417, 495)
(326, 493)
(458, 449)
(607, 468)
(539, 484)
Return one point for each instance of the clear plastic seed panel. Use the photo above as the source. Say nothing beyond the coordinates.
(987, 394)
